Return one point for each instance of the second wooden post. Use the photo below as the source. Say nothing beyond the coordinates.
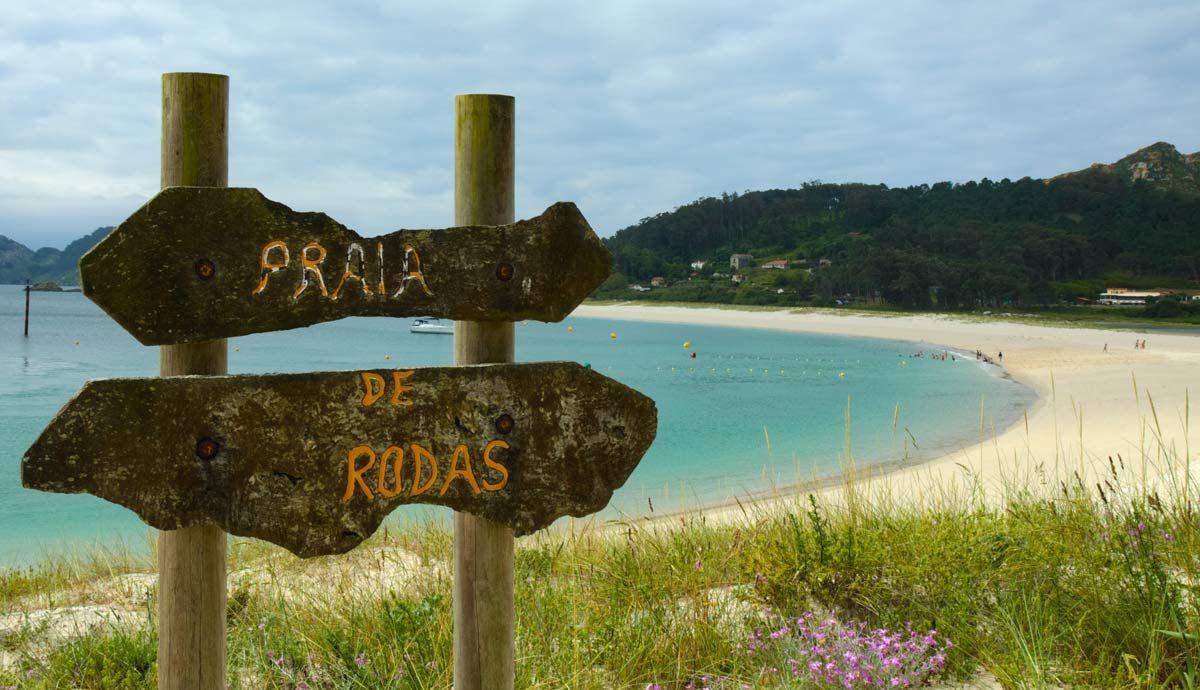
(191, 561)
(484, 632)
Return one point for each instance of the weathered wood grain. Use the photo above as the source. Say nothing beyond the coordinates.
(200, 263)
(269, 456)
(484, 551)
(194, 150)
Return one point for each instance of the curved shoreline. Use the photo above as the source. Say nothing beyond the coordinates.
(1093, 398)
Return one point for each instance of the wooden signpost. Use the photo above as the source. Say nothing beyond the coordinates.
(314, 462)
(194, 150)
(484, 551)
(241, 263)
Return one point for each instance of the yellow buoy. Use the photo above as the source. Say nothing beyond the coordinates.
(687, 344)
(387, 356)
(570, 329)
(237, 349)
(613, 335)
(841, 375)
(76, 343)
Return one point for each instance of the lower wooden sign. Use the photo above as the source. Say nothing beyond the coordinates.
(313, 462)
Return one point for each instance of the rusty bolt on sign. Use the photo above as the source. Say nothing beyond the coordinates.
(207, 449)
(504, 272)
(505, 423)
(205, 269)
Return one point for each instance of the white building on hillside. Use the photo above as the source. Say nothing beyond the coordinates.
(1125, 296)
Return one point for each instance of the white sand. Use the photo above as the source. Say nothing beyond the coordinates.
(1091, 404)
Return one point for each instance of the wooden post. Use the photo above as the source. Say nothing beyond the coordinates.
(26, 308)
(191, 561)
(484, 633)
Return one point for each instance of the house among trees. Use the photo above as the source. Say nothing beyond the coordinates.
(658, 281)
(1122, 296)
(699, 264)
(825, 263)
(740, 261)
(780, 264)
(738, 277)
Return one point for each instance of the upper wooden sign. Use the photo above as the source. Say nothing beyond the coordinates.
(313, 462)
(198, 263)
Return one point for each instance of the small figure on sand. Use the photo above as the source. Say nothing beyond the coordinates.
(980, 356)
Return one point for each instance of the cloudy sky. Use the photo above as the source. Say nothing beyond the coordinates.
(626, 108)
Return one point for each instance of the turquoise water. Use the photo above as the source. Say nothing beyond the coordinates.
(754, 410)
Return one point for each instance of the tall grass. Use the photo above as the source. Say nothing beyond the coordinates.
(1090, 584)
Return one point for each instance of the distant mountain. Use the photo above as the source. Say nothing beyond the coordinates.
(1027, 242)
(19, 263)
(1160, 165)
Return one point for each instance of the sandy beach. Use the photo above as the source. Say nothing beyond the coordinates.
(1124, 403)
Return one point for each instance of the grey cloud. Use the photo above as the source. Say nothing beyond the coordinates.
(628, 108)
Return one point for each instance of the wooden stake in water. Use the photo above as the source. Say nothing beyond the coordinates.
(26, 308)
(484, 633)
(191, 561)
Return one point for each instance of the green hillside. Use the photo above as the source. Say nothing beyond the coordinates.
(1160, 165)
(19, 263)
(1029, 242)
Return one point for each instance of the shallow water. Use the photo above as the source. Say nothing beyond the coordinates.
(753, 410)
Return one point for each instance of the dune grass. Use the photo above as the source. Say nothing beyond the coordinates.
(1089, 585)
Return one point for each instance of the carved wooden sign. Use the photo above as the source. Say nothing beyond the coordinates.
(198, 263)
(313, 462)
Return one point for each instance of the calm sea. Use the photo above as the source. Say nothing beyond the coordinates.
(752, 411)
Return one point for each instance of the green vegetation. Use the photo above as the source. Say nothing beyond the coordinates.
(19, 263)
(978, 245)
(1091, 584)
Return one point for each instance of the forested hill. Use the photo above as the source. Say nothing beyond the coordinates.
(19, 263)
(1133, 223)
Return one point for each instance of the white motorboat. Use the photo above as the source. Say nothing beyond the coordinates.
(431, 325)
